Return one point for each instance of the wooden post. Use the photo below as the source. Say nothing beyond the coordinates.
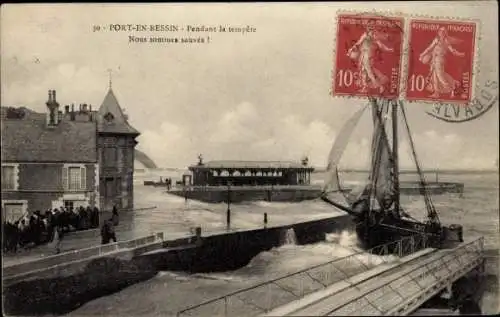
(228, 213)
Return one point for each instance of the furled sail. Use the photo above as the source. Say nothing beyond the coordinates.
(382, 170)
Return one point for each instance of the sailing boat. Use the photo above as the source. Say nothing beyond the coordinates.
(376, 210)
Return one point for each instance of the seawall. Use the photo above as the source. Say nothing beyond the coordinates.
(64, 287)
(297, 193)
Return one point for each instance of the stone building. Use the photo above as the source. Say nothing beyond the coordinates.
(115, 152)
(48, 160)
(66, 158)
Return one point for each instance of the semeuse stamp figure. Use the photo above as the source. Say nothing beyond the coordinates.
(440, 61)
(368, 55)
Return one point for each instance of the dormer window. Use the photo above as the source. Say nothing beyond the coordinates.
(109, 117)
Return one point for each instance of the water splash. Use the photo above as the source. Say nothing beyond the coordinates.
(290, 238)
(345, 238)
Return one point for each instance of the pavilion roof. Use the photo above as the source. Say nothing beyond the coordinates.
(225, 164)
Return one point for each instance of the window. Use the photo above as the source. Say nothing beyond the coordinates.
(74, 177)
(9, 176)
(109, 117)
(110, 156)
(68, 204)
(119, 159)
(13, 210)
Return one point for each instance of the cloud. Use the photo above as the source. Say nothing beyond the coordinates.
(187, 99)
(236, 126)
(240, 135)
(45, 77)
(448, 150)
(245, 133)
(168, 146)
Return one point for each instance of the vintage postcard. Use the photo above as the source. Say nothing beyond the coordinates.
(250, 159)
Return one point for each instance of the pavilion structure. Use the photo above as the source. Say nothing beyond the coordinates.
(250, 173)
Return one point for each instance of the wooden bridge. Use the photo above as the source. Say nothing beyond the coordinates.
(371, 282)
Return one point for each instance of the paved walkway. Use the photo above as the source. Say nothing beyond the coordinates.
(175, 223)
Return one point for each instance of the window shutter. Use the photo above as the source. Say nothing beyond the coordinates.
(15, 176)
(83, 182)
(65, 178)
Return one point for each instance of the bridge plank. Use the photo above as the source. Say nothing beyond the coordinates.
(337, 301)
(374, 297)
(344, 284)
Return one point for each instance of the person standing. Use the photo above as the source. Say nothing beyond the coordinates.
(114, 217)
(58, 236)
(96, 217)
(107, 232)
(112, 233)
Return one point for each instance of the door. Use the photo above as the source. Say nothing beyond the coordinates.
(186, 180)
(109, 193)
(13, 212)
(118, 193)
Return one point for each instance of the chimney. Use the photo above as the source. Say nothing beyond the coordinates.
(53, 109)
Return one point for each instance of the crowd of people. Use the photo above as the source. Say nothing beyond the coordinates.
(41, 228)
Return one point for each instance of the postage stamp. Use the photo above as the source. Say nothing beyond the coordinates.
(368, 55)
(441, 60)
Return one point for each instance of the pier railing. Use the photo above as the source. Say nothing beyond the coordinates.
(79, 254)
(433, 276)
(413, 286)
(263, 297)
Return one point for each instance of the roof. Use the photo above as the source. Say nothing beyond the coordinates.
(28, 139)
(117, 122)
(252, 165)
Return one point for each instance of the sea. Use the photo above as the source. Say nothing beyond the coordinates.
(169, 292)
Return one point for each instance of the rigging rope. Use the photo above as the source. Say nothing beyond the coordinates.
(431, 211)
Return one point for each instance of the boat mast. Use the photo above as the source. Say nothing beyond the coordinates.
(395, 153)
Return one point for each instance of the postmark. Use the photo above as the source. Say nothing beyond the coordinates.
(484, 100)
(441, 59)
(368, 55)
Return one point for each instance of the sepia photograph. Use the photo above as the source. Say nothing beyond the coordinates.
(250, 159)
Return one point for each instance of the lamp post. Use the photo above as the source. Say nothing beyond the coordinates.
(228, 213)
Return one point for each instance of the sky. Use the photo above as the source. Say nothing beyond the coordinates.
(261, 95)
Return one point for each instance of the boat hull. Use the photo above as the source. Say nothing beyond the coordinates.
(388, 231)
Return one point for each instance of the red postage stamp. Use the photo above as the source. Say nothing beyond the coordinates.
(368, 56)
(440, 61)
